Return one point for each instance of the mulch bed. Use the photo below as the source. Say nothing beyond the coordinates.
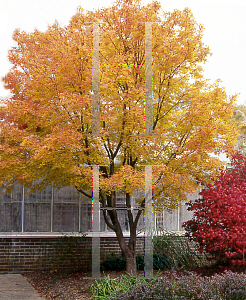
(75, 285)
(60, 285)
(67, 285)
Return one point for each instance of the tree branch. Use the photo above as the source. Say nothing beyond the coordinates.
(83, 193)
(105, 213)
(129, 213)
(139, 213)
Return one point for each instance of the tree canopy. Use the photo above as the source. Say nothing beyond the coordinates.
(46, 125)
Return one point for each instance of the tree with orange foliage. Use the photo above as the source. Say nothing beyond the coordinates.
(47, 122)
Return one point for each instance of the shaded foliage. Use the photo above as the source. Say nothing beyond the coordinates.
(219, 221)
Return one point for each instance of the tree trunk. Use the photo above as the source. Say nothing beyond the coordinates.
(128, 252)
(131, 266)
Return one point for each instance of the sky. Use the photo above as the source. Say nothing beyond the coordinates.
(224, 22)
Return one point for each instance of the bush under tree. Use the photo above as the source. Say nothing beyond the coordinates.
(219, 220)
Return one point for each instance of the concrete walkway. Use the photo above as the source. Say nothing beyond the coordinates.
(16, 287)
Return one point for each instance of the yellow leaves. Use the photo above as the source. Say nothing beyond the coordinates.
(170, 188)
(49, 124)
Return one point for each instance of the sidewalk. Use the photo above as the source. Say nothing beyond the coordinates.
(16, 287)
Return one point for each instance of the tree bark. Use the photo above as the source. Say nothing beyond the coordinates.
(128, 249)
(131, 266)
(128, 252)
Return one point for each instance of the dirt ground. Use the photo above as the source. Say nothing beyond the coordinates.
(75, 285)
(62, 285)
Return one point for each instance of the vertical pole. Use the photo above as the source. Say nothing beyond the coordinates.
(155, 222)
(52, 208)
(178, 211)
(148, 79)
(148, 255)
(23, 209)
(132, 203)
(79, 213)
(95, 224)
(179, 207)
(95, 82)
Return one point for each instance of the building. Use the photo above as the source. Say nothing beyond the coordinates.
(53, 211)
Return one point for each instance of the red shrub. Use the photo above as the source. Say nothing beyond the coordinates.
(219, 220)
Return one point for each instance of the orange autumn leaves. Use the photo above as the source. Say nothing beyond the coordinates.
(126, 179)
(46, 125)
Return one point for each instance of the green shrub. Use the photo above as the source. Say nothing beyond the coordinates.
(178, 249)
(107, 287)
(160, 262)
(114, 263)
(169, 250)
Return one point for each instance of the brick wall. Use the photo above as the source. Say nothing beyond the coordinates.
(110, 245)
(24, 254)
